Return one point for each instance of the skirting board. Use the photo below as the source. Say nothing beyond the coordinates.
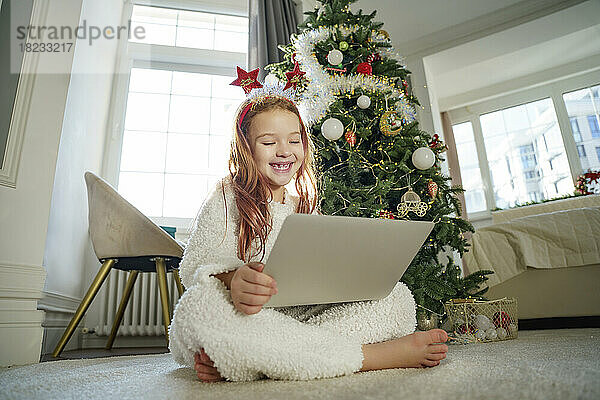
(21, 329)
(59, 309)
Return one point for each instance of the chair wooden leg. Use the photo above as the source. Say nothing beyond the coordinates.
(121, 311)
(83, 306)
(161, 270)
(180, 288)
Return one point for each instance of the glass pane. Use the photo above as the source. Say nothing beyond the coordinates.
(194, 19)
(467, 155)
(219, 154)
(187, 154)
(469, 167)
(153, 34)
(189, 114)
(184, 194)
(221, 116)
(463, 132)
(143, 190)
(527, 158)
(143, 151)
(583, 107)
(195, 38)
(154, 15)
(147, 112)
(191, 84)
(150, 80)
(231, 23)
(221, 88)
(475, 200)
(231, 41)
(168, 120)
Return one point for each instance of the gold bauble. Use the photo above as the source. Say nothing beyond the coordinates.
(385, 126)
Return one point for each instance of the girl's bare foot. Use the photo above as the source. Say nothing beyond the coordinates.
(205, 368)
(417, 350)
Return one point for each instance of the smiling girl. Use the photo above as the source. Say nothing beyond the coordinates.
(219, 326)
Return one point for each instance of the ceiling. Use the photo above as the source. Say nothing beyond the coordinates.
(468, 45)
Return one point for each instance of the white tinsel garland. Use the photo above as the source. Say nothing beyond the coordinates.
(323, 87)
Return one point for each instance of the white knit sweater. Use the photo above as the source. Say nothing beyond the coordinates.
(303, 342)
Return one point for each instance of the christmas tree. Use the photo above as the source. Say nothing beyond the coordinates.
(373, 159)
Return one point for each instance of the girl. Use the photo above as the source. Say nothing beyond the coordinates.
(219, 325)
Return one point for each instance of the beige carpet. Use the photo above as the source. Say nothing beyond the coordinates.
(544, 364)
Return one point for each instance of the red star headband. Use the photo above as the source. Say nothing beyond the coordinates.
(249, 81)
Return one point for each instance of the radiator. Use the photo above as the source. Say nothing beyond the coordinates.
(143, 315)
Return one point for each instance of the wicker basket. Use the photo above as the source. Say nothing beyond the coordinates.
(483, 321)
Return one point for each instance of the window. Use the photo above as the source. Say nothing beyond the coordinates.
(575, 128)
(583, 108)
(178, 116)
(193, 29)
(598, 153)
(593, 122)
(469, 167)
(525, 152)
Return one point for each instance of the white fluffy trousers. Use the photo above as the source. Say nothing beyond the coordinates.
(294, 343)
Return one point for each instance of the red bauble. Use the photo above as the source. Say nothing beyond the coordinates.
(364, 68)
(350, 138)
(501, 319)
(432, 188)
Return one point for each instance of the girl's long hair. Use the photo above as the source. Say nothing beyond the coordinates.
(251, 190)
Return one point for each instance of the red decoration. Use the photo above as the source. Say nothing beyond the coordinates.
(247, 80)
(294, 77)
(373, 57)
(364, 68)
(462, 329)
(350, 137)
(584, 180)
(386, 214)
(501, 319)
(437, 144)
(432, 188)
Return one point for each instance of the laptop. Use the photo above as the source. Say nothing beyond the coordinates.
(320, 259)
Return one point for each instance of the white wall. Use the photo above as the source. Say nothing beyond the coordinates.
(69, 257)
(26, 208)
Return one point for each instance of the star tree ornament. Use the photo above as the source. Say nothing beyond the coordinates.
(294, 77)
(247, 80)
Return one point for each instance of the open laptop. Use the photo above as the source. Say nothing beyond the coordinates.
(319, 259)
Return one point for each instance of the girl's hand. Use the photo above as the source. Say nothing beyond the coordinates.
(251, 289)
(205, 368)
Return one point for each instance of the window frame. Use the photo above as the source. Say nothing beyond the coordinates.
(143, 55)
(553, 90)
